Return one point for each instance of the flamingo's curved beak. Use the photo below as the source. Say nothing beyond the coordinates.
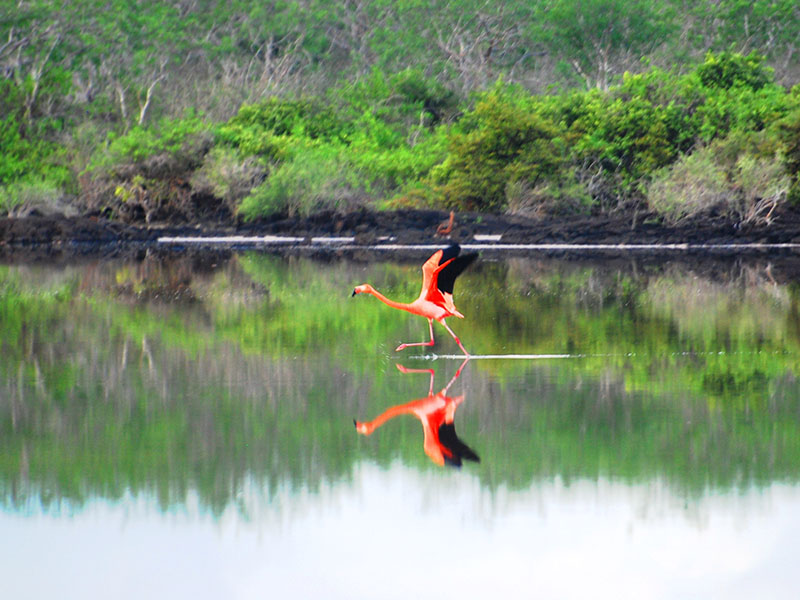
(353, 294)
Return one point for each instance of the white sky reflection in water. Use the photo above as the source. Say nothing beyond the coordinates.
(402, 533)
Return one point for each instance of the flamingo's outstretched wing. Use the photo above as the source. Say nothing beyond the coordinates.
(430, 273)
(450, 269)
(439, 275)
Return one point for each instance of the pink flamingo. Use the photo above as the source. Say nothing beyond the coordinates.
(435, 301)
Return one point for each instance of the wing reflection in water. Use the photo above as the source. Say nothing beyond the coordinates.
(436, 412)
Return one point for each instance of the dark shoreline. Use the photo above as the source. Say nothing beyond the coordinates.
(43, 236)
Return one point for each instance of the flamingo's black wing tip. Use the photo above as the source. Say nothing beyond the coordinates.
(451, 251)
(447, 276)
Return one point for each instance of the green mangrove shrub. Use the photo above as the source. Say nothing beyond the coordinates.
(736, 176)
(319, 178)
(144, 173)
(505, 139)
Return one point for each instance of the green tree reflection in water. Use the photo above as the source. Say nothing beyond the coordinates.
(181, 377)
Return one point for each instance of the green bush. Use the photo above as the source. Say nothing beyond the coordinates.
(262, 129)
(320, 178)
(756, 173)
(503, 140)
(168, 147)
(143, 175)
(402, 138)
(739, 109)
(761, 185)
(29, 150)
(729, 69)
(227, 176)
(693, 185)
(742, 176)
(403, 99)
(374, 139)
(21, 197)
(394, 161)
(788, 132)
(631, 138)
(621, 139)
(618, 139)
(9, 200)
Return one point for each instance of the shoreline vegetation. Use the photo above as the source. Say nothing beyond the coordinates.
(318, 116)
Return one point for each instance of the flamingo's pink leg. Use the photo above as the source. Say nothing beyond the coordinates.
(455, 337)
(430, 326)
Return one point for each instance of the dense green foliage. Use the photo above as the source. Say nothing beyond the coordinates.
(502, 141)
(157, 110)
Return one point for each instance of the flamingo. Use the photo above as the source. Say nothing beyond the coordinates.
(445, 227)
(435, 301)
(436, 412)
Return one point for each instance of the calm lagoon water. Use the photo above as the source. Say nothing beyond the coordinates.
(183, 427)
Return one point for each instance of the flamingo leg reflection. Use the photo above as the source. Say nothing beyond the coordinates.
(432, 373)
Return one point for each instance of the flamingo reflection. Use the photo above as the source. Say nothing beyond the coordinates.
(436, 412)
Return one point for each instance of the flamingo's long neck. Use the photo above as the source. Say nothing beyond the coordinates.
(388, 301)
(390, 413)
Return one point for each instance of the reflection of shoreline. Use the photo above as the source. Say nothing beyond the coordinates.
(249, 379)
(436, 413)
